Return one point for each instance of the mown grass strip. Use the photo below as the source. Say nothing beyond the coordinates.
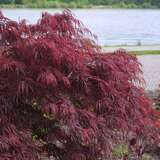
(146, 52)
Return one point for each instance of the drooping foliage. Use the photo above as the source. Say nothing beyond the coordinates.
(156, 97)
(61, 96)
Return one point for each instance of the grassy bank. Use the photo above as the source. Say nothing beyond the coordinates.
(138, 50)
(148, 52)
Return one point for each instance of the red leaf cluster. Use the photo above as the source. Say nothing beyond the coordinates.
(56, 83)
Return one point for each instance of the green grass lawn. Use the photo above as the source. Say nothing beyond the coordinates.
(147, 52)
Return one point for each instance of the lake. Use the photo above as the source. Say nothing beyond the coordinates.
(112, 26)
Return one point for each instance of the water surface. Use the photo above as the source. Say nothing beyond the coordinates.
(112, 26)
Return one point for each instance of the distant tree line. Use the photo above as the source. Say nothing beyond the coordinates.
(18, 1)
(112, 2)
(121, 3)
(137, 2)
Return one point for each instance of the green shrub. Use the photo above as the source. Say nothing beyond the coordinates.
(120, 151)
(146, 5)
(6, 1)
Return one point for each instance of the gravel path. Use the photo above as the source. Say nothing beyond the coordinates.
(151, 69)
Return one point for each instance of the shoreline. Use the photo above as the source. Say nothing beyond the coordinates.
(77, 8)
(71, 6)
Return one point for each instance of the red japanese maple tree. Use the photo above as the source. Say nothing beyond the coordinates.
(60, 95)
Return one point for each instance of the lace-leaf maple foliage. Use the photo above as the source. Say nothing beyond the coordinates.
(61, 96)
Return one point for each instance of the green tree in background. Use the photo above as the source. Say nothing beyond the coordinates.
(27, 1)
(18, 1)
(85, 3)
(6, 1)
(156, 2)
